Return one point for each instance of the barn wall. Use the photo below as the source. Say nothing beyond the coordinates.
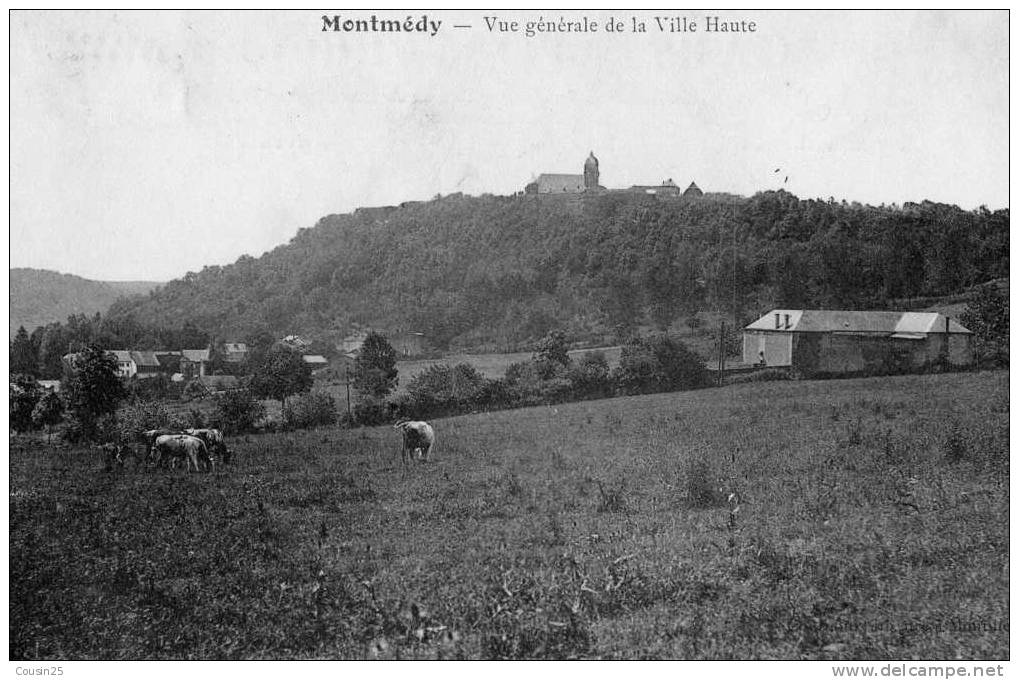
(841, 353)
(778, 347)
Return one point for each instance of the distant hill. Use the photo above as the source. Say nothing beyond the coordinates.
(495, 273)
(40, 296)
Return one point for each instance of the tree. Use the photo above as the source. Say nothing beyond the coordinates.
(237, 412)
(282, 372)
(23, 396)
(552, 355)
(375, 367)
(987, 316)
(659, 364)
(48, 412)
(23, 354)
(92, 388)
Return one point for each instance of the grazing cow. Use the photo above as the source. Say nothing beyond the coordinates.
(417, 436)
(148, 438)
(191, 449)
(214, 440)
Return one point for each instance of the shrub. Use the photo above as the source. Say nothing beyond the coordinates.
(763, 375)
(48, 411)
(142, 416)
(309, 410)
(658, 363)
(589, 376)
(987, 316)
(551, 355)
(156, 387)
(443, 390)
(24, 395)
(237, 412)
(369, 410)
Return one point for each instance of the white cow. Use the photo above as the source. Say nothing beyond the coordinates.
(417, 436)
(190, 449)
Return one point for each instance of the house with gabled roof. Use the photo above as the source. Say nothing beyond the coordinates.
(822, 341)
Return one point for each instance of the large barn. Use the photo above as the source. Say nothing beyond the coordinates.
(819, 341)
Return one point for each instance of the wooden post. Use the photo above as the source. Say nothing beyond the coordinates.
(346, 381)
(721, 353)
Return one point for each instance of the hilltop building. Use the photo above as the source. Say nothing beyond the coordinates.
(588, 182)
(821, 341)
(567, 184)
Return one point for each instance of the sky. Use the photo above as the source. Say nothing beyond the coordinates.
(148, 144)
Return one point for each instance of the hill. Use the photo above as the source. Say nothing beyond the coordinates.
(497, 272)
(40, 296)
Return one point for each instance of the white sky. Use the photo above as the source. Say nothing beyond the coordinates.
(145, 145)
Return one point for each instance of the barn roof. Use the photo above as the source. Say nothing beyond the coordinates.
(832, 321)
(145, 359)
(314, 359)
(195, 355)
(122, 355)
(551, 183)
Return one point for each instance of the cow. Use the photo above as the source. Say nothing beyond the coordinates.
(191, 449)
(214, 440)
(417, 436)
(148, 438)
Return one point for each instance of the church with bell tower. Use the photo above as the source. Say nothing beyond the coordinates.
(568, 184)
(589, 183)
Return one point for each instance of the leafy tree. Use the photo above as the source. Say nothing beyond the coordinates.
(658, 363)
(237, 412)
(23, 354)
(48, 412)
(310, 410)
(589, 376)
(987, 316)
(375, 367)
(23, 396)
(552, 355)
(92, 388)
(282, 372)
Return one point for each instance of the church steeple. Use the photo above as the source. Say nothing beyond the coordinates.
(591, 172)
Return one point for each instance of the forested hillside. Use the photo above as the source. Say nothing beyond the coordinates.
(499, 272)
(40, 296)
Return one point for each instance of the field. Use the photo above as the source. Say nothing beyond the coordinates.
(848, 519)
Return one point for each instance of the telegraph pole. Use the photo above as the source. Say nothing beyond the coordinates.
(346, 381)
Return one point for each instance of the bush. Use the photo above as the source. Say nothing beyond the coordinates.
(237, 412)
(309, 410)
(444, 390)
(658, 363)
(763, 375)
(589, 376)
(369, 410)
(146, 415)
(24, 394)
(151, 389)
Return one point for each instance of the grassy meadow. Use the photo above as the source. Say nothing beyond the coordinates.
(843, 519)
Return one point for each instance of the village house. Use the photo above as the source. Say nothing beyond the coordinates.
(194, 362)
(315, 361)
(131, 364)
(819, 342)
(235, 352)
